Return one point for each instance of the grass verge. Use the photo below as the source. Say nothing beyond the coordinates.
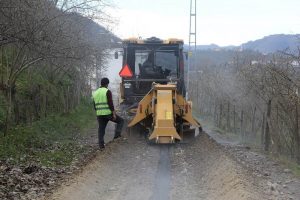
(283, 160)
(53, 141)
(288, 163)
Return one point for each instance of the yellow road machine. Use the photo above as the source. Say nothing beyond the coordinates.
(153, 89)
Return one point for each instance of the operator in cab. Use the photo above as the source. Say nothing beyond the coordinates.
(149, 70)
(105, 111)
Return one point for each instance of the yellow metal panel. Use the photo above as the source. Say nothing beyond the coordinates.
(164, 104)
(141, 41)
(185, 107)
(145, 104)
(164, 123)
(164, 87)
(164, 132)
(164, 117)
(131, 40)
(173, 41)
(159, 103)
(164, 140)
(169, 115)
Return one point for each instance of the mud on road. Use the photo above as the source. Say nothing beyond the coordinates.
(130, 169)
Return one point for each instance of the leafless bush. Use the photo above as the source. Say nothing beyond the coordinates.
(255, 97)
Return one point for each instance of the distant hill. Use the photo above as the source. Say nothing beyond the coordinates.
(268, 44)
(205, 47)
(210, 46)
(273, 43)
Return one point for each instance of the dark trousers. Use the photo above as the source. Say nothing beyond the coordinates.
(103, 120)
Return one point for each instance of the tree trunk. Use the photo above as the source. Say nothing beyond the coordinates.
(220, 117)
(78, 95)
(216, 114)
(210, 106)
(253, 123)
(242, 125)
(228, 116)
(44, 102)
(296, 133)
(263, 130)
(197, 96)
(234, 120)
(268, 124)
(276, 134)
(9, 109)
(67, 99)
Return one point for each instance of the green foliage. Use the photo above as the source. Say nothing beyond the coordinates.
(2, 111)
(51, 141)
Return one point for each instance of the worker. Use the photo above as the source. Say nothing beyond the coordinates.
(146, 69)
(105, 111)
(149, 70)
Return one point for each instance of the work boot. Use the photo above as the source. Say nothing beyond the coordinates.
(117, 135)
(101, 146)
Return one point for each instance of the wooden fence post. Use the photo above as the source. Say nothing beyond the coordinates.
(268, 124)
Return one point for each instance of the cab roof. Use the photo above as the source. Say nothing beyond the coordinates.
(152, 40)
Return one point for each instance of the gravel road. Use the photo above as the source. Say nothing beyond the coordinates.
(130, 169)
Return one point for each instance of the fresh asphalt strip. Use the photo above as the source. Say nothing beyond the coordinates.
(163, 175)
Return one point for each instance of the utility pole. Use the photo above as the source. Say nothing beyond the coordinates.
(192, 41)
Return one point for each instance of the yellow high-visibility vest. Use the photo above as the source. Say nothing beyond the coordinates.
(100, 99)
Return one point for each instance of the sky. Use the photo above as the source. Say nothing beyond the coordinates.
(222, 22)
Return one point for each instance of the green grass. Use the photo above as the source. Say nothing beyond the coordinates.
(288, 163)
(52, 141)
(210, 125)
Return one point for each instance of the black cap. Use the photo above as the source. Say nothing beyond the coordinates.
(104, 81)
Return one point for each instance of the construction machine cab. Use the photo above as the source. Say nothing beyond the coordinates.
(147, 61)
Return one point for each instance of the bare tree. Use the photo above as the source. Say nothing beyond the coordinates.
(37, 33)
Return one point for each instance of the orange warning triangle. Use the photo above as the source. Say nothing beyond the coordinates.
(126, 71)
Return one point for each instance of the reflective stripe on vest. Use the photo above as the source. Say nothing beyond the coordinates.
(100, 99)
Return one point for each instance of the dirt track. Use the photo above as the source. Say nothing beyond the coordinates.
(130, 169)
(206, 172)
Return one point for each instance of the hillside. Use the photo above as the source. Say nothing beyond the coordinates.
(273, 43)
(268, 44)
